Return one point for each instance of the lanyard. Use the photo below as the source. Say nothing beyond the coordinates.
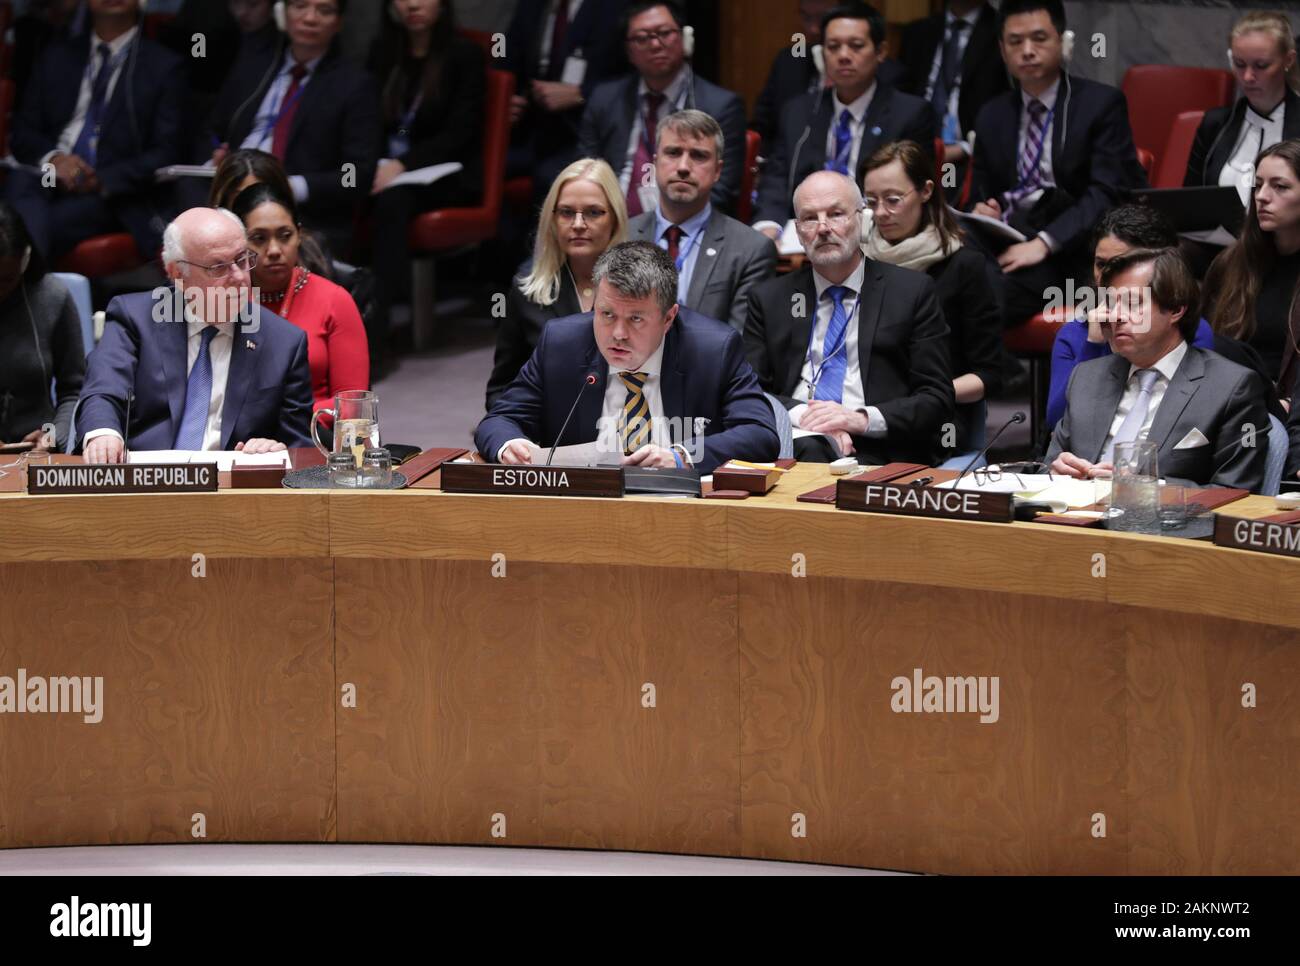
(285, 105)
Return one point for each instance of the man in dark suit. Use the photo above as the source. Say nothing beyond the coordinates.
(559, 51)
(619, 122)
(667, 388)
(198, 366)
(856, 349)
(1206, 415)
(313, 109)
(1050, 158)
(951, 59)
(101, 114)
(839, 129)
(718, 259)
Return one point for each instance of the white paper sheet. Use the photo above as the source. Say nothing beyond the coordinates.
(425, 176)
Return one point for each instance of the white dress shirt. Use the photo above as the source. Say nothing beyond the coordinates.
(858, 109)
(688, 246)
(674, 100)
(117, 58)
(853, 396)
(1166, 368)
(219, 353)
(548, 30)
(262, 134)
(1257, 133)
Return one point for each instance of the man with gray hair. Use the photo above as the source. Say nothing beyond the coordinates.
(648, 382)
(198, 365)
(718, 258)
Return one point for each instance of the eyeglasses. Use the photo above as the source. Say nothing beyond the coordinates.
(589, 215)
(888, 202)
(322, 9)
(837, 220)
(646, 37)
(246, 261)
(991, 474)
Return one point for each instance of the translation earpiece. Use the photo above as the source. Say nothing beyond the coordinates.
(277, 12)
(819, 59)
(1229, 55)
(688, 41)
(27, 260)
(1067, 45)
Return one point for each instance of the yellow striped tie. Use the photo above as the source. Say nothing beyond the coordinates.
(636, 412)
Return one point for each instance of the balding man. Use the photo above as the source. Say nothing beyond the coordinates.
(856, 349)
(199, 365)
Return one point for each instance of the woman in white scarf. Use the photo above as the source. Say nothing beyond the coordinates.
(912, 227)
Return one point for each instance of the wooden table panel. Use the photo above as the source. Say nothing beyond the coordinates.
(217, 698)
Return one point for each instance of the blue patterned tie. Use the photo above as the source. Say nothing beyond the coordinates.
(87, 145)
(843, 143)
(198, 397)
(830, 378)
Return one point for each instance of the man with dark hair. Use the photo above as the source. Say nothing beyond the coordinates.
(718, 258)
(102, 113)
(619, 122)
(838, 129)
(1050, 158)
(668, 387)
(1205, 414)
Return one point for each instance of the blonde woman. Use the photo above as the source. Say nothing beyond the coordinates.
(1262, 56)
(583, 214)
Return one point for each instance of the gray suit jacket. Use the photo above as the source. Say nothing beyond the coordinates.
(1208, 393)
(732, 259)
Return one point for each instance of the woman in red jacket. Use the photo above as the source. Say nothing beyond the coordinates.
(336, 336)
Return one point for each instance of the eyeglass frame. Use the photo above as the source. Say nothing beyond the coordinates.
(841, 220)
(575, 212)
(992, 474)
(642, 40)
(870, 206)
(225, 267)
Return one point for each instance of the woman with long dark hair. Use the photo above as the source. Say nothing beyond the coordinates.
(1250, 292)
(432, 91)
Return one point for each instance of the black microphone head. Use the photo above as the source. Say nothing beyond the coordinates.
(591, 378)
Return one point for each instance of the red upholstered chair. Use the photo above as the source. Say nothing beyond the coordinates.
(102, 255)
(448, 229)
(1158, 93)
(745, 205)
(1033, 340)
(1147, 160)
(519, 193)
(1173, 159)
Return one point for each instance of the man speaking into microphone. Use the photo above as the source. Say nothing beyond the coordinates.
(649, 383)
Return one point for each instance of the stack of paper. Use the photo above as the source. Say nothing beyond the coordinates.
(224, 459)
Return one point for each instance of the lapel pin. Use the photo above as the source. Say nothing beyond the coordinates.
(711, 252)
(875, 131)
(250, 344)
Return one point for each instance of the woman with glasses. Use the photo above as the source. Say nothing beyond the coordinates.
(432, 88)
(583, 215)
(337, 352)
(911, 227)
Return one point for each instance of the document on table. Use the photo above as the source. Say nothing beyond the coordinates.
(224, 459)
(425, 176)
(1022, 483)
(174, 172)
(1062, 492)
(580, 454)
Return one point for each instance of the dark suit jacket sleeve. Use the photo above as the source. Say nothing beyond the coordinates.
(921, 413)
(110, 374)
(773, 194)
(30, 138)
(296, 405)
(1110, 146)
(589, 130)
(1061, 438)
(1293, 434)
(69, 365)
(517, 412)
(767, 109)
(731, 118)
(1236, 465)
(981, 325)
(756, 346)
(759, 266)
(163, 132)
(1206, 132)
(922, 127)
(460, 130)
(749, 428)
(360, 131)
(515, 340)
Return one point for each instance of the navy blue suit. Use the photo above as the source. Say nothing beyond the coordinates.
(268, 388)
(705, 375)
(141, 131)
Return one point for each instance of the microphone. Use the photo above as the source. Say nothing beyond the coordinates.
(588, 380)
(1015, 418)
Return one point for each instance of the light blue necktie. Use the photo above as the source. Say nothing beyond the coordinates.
(830, 378)
(1128, 429)
(843, 143)
(198, 396)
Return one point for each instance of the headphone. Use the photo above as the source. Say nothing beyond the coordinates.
(819, 60)
(27, 260)
(1067, 46)
(278, 15)
(688, 41)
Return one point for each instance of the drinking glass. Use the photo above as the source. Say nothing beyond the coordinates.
(1135, 489)
(356, 424)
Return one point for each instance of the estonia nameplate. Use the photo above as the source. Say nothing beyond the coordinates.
(923, 501)
(531, 480)
(70, 478)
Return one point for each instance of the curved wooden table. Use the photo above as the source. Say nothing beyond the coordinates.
(503, 651)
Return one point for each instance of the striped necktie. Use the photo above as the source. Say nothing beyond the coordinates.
(198, 397)
(843, 143)
(1029, 167)
(636, 412)
(829, 378)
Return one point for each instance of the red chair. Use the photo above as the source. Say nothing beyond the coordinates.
(519, 193)
(1147, 160)
(101, 256)
(1033, 340)
(1172, 169)
(745, 206)
(449, 229)
(1157, 94)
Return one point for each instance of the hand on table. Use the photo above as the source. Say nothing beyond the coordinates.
(104, 449)
(824, 416)
(256, 445)
(1067, 464)
(517, 452)
(43, 443)
(650, 455)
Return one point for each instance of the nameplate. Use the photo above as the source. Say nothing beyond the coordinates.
(70, 478)
(923, 501)
(531, 480)
(1261, 536)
